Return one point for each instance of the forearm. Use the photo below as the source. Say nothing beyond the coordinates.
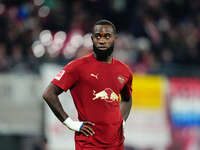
(55, 105)
(51, 97)
(125, 108)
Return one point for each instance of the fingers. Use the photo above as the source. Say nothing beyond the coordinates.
(86, 130)
(90, 130)
(88, 122)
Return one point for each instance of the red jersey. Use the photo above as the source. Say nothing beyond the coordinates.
(95, 87)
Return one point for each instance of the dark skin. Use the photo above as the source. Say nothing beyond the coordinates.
(50, 95)
(103, 37)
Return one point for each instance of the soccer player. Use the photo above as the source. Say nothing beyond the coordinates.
(96, 83)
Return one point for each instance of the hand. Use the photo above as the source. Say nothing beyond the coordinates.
(86, 130)
(79, 126)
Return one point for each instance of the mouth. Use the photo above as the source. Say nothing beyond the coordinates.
(102, 48)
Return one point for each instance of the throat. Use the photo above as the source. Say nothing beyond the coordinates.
(106, 60)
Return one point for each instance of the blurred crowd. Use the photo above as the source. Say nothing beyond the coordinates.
(151, 34)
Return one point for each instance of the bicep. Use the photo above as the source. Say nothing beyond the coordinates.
(53, 90)
(125, 94)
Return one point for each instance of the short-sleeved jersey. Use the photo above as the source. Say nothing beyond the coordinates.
(95, 87)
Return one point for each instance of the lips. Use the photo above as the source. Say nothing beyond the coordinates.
(102, 48)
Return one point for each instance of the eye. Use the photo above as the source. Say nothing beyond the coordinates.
(107, 36)
(97, 36)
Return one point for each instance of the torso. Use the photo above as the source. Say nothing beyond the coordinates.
(98, 90)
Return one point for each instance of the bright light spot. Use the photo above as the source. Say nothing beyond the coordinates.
(44, 11)
(57, 44)
(87, 41)
(2, 8)
(60, 37)
(69, 51)
(76, 40)
(38, 2)
(46, 37)
(38, 49)
(53, 50)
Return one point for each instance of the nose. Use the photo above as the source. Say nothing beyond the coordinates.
(102, 41)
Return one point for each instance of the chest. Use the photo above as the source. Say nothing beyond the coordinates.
(100, 77)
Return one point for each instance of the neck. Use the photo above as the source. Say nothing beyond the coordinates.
(107, 60)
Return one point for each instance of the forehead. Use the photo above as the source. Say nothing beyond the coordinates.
(103, 29)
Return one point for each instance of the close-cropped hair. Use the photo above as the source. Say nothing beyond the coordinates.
(105, 22)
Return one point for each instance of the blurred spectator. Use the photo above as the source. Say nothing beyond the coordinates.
(16, 54)
(4, 61)
(173, 36)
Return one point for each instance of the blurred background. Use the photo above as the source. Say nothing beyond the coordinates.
(158, 39)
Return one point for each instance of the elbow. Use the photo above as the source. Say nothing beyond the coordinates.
(45, 95)
(50, 94)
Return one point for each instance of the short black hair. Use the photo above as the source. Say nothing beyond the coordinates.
(105, 22)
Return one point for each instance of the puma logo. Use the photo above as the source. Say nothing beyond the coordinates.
(93, 75)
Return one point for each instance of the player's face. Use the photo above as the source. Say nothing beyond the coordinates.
(103, 37)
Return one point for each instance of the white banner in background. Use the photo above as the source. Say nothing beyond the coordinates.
(59, 137)
(20, 104)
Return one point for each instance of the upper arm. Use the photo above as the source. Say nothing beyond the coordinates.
(52, 90)
(126, 92)
(67, 77)
(55, 89)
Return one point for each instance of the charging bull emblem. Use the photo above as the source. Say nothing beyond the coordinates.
(107, 94)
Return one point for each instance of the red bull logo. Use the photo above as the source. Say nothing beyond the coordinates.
(107, 94)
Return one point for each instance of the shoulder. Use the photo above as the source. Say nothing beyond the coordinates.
(78, 63)
(122, 65)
